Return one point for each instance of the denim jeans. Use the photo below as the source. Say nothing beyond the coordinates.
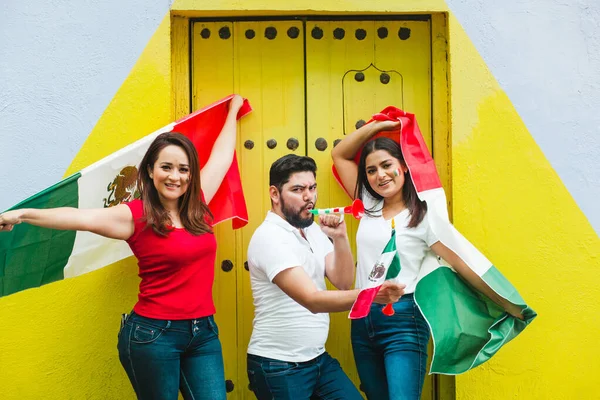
(162, 357)
(319, 378)
(391, 351)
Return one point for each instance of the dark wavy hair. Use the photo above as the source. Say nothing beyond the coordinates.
(193, 211)
(416, 207)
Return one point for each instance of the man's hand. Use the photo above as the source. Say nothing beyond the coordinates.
(390, 292)
(333, 225)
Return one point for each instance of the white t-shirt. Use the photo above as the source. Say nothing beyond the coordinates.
(412, 244)
(283, 329)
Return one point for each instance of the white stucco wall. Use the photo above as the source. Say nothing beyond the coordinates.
(61, 63)
(546, 56)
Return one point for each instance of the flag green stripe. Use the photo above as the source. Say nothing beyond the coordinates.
(31, 256)
(394, 268)
(391, 244)
(390, 247)
(446, 301)
(502, 286)
(39, 197)
(466, 327)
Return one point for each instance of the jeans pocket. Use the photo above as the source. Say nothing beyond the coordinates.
(403, 315)
(404, 309)
(144, 333)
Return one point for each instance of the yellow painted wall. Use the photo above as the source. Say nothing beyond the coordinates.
(511, 204)
(59, 341)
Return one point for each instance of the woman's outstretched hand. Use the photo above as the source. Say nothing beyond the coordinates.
(9, 219)
(514, 310)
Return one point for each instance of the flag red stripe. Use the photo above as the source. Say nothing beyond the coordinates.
(414, 149)
(362, 305)
(202, 128)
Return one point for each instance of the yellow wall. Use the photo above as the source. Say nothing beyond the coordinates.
(59, 341)
(512, 205)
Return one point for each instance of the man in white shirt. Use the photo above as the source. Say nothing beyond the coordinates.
(289, 257)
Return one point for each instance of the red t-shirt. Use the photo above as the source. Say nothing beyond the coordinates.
(177, 270)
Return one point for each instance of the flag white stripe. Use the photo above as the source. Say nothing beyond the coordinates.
(91, 251)
(437, 215)
(386, 260)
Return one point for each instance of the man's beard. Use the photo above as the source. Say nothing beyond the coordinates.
(294, 218)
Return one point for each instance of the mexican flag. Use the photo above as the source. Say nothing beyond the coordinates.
(466, 327)
(387, 267)
(31, 256)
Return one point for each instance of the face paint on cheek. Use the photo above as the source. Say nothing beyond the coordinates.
(396, 172)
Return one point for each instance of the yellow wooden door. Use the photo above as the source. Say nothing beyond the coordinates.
(304, 81)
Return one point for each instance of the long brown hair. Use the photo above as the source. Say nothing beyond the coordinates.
(194, 213)
(416, 207)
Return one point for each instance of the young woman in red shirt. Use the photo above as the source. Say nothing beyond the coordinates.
(169, 342)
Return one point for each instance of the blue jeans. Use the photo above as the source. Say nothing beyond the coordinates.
(319, 378)
(162, 357)
(391, 352)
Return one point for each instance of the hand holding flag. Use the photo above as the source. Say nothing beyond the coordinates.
(386, 267)
(8, 220)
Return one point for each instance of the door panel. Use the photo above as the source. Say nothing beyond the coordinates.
(353, 70)
(212, 79)
(269, 72)
(407, 50)
(263, 61)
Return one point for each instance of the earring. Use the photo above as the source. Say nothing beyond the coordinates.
(151, 177)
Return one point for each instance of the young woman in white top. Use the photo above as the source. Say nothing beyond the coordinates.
(391, 352)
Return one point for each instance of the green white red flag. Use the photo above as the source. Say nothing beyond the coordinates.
(387, 267)
(31, 256)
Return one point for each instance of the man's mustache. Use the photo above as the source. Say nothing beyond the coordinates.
(310, 203)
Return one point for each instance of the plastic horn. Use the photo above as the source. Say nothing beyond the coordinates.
(357, 209)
